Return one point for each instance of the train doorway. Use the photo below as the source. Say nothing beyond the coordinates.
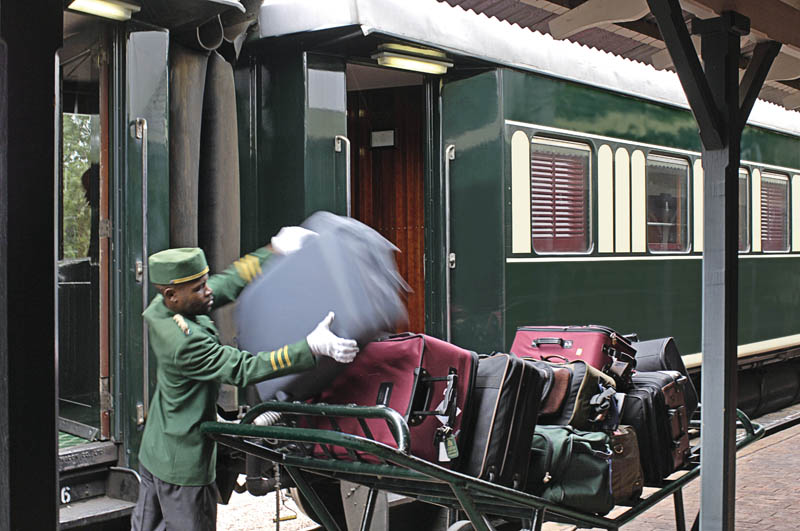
(386, 126)
(83, 243)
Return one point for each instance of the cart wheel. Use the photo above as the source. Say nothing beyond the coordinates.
(461, 525)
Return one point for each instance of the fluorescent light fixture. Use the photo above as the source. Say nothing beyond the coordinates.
(407, 57)
(113, 9)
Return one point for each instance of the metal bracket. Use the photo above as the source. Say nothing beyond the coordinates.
(139, 271)
(139, 414)
(104, 228)
(451, 260)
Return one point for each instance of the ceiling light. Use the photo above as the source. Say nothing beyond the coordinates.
(407, 57)
(113, 9)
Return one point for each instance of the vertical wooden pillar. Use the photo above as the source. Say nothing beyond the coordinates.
(32, 32)
(721, 107)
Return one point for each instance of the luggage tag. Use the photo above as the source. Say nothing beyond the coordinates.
(448, 448)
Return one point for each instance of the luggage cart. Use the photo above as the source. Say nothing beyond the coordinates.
(307, 454)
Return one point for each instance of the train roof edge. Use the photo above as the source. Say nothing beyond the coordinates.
(467, 33)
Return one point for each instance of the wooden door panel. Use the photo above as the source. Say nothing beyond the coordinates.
(387, 185)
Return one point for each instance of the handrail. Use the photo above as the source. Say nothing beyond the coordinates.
(140, 133)
(393, 419)
(337, 146)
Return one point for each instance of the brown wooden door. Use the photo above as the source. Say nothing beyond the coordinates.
(387, 182)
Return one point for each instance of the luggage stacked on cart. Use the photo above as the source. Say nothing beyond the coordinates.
(604, 430)
(428, 381)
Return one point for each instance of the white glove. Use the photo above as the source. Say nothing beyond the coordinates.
(323, 342)
(290, 239)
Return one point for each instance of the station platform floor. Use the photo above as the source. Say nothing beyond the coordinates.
(767, 489)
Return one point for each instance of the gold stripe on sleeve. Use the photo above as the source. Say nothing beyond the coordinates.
(286, 353)
(255, 263)
(280, 359)
(242, 270)
(272, 359)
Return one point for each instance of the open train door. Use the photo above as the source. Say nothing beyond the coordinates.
(472, 255)
(141, 221)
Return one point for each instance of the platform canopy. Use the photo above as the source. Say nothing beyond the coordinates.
(628, 28)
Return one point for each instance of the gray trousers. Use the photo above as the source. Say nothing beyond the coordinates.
(163, 506)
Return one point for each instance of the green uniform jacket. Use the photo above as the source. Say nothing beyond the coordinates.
(191, 365)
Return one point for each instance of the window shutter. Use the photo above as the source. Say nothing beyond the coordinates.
(774, 218)
(559, 216)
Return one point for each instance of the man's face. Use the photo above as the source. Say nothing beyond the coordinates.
(190, 298)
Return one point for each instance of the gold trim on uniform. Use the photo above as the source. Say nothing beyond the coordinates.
(286, 355)
(272, 360)
(190, 277)
(181, 322)
(248, 267)
(280, 358)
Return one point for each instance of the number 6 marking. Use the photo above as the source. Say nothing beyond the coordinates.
(66, 497)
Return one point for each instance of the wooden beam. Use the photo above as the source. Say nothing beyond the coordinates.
(595, 12)
(784, 67)
(754, 76)
(676, 36)
(776, 20)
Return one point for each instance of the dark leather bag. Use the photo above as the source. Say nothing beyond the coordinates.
(626, 467)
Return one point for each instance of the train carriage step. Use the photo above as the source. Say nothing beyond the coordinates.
(97, 494)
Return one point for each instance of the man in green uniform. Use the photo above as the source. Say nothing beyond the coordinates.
(177, 462)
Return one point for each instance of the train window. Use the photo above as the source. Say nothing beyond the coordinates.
(744, 210)
(560, 196)
(667, 186)
(774, 212)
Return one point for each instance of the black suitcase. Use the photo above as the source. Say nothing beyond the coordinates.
(662, 355)
(506, 398)
(656, 408)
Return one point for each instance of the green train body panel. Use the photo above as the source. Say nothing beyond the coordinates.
(655, 297)
(289, 168)
(472, 121)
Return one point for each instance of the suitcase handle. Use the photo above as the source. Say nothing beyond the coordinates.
(561, 359)
(422, 398)
(551, 341)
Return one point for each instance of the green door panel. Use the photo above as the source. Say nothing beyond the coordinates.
(472, 122)
(294, 104)
(145, 81)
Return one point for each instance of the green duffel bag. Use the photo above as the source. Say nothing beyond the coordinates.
(571, 468)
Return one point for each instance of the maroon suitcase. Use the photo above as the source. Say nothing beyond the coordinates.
(427, 380)
(597, 345)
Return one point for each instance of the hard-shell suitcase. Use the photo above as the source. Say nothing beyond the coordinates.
(506, 401)
(626, 467)
(656, 409)
(597, 345)
(349, 269)
(662, 355)
(427, 380)
(588, 403)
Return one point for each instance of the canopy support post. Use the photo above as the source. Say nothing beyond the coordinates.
(713, 92)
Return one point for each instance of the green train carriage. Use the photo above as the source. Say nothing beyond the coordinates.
(526, 181)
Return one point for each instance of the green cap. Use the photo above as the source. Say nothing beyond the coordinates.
(174, 266)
